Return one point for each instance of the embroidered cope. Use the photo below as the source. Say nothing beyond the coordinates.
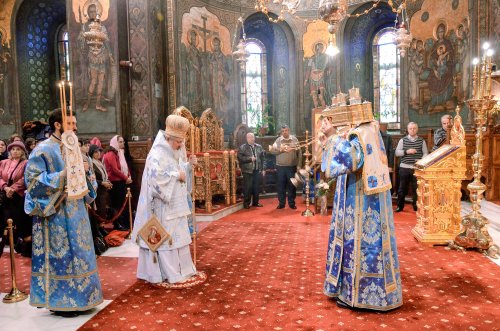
(64, 271)
(362, 266)
(163, 195)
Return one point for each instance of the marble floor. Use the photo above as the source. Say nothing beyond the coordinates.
(22, 316)
(492, 212)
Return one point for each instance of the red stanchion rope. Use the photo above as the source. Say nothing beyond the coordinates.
(103, 220)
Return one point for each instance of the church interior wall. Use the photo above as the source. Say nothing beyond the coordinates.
(138, 98)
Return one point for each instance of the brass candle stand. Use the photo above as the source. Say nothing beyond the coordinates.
(474, 232)
(15, 295)
(308, 212)
(128, 196)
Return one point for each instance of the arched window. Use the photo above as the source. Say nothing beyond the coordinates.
(62, 43)
(255, 87)
(386, 77)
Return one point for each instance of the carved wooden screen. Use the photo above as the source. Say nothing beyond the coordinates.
(192, 138)
(212, 133)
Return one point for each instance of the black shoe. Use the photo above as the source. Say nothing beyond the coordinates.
(280, 207)
(246, 207)
(67, 314)
(415, 207)
(398, 209)
(258, 205)
(293, 207)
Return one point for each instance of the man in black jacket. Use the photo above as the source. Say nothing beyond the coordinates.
(251, 159)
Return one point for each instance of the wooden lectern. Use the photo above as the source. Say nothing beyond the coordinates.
(439, 178)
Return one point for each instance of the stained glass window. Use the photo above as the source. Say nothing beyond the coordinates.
(386, 76)
(255, 84)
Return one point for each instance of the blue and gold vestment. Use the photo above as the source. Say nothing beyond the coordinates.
(362, 266)
(64, 270)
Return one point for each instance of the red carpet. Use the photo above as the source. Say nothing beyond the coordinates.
(265, 271)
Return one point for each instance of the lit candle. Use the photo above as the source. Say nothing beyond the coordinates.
(60, 93)
(70, 99)
(475, 77)
(482, 69)
(64, 109)
(489, 55)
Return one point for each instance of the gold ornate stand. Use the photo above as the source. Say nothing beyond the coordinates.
(15, 294)
(475, 232)
(308, 212)
(439, 177)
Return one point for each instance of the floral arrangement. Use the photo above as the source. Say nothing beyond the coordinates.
(322, 188)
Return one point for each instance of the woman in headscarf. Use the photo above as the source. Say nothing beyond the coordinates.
(119, 175)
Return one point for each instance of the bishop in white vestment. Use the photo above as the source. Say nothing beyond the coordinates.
(163, 194)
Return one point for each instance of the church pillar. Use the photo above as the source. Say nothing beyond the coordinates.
(146, 95)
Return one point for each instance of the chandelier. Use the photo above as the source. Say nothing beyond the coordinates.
(241, 54)
(333, 12)
(403, 36)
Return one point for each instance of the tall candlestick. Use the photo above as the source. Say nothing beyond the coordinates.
(488, 76)
(64, 109)
(60, 94)
(482, 81)
(475, 77)
(70, 99)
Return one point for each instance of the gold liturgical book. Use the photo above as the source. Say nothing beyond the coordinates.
(439, 178)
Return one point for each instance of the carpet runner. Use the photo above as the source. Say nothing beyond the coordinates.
(265, 270)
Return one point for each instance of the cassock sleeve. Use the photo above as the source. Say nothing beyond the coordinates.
(342, 157)
(162, 181)
(43, 187)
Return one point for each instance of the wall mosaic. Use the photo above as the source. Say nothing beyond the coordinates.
(206, 64)
(357, 48)
(7, 109)
(6, 11)
(439, 60)
(95, 65)
(319, 76)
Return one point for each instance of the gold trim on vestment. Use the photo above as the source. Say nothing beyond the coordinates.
(366, 163)
(89, 273)
(357, 240)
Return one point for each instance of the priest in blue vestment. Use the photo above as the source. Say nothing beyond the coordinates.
(362, 268)
(64, 276)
